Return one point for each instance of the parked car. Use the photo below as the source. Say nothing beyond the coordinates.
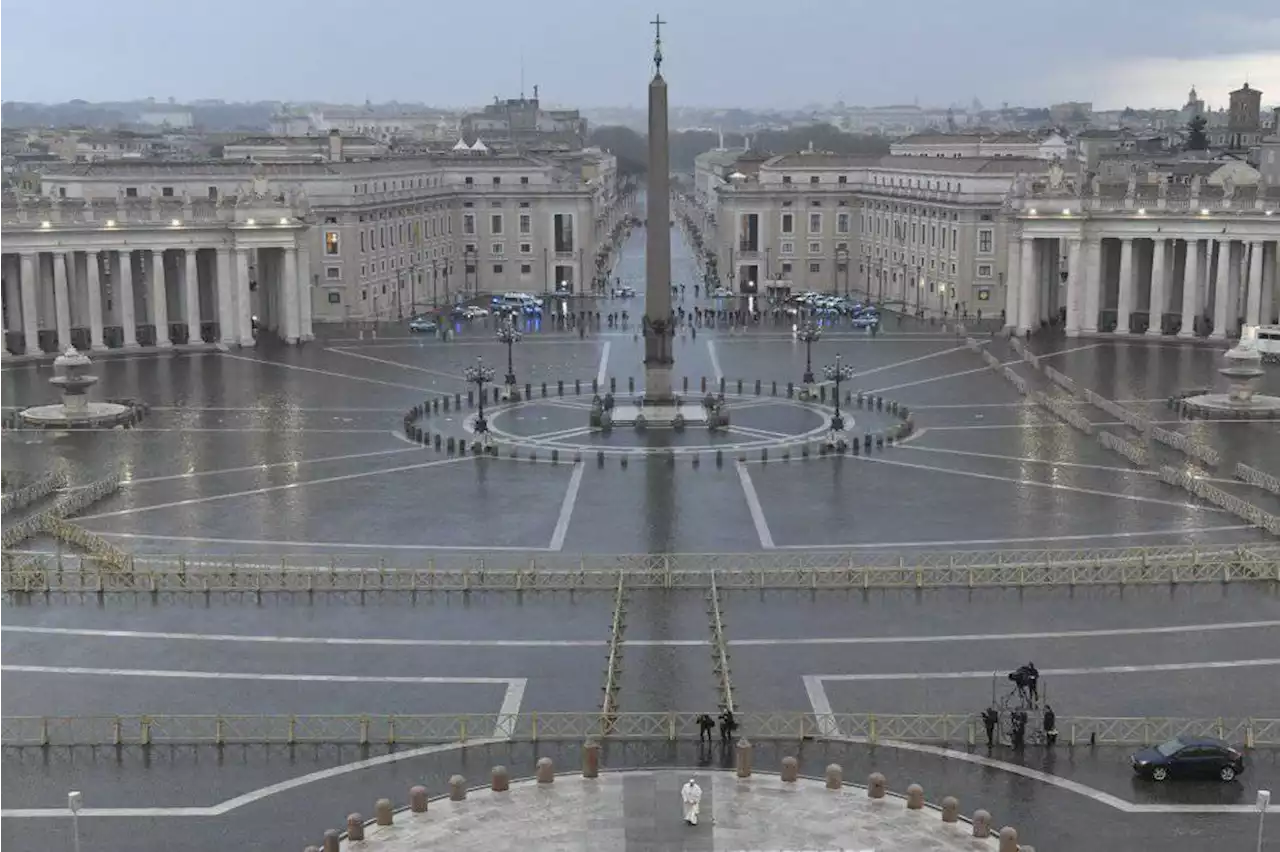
(722, 293)
(1189, 757)
(865, 320)
(474, 312)
(626, 292)
(422, 324)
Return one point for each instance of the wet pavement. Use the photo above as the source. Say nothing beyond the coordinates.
(275, 451)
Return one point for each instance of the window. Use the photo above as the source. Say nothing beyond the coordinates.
(843, 179)
(984, 270)
(562, 227)
(468, 223)
(524, 204)
(815, 223)
(468, 180)
(955, 239)
(815, 248)
(335, 297)
(813, 179)
(526, 248)
(944, 237)
(130, 192)
(525, 268)
(213, 193)
(788, 248)
(786, 269)
(495, 224)
(788, 223)
(524, 181)
(332, 272)
(815, 267)
(984, 241)
(331, 244)
(496, 248)
(786, 178)
(933, 235)
(364, 295)
(526, 223)
(497, 269)
(363, 270)
(362, 241)
(166, 191)
(497, 181)
(913, 232)
(842, 223)
(953, 269)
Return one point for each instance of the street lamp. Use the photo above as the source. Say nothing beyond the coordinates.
(510, 335)
(75, 800)
(837, 373)
(808, 333)
(479, 375)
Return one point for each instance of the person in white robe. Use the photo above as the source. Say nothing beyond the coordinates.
(691, 795)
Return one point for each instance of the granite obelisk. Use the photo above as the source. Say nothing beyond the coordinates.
(658, 328)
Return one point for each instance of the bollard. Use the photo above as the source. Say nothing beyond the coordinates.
(631, 384)
(773, 389)
(546, 771)
(739, 387)
(791, 390)
(496, 396)
(822, 393)
(500, 779)
(355, 827)
(786, 455)
(853, 446)
(835, 777)
(697, 459)
(560, 387)
(981, 823)
(1008, 839)
(382, 812)
(436, 404)
(764, 454)
(624, 462)
(860, 398)
(684, 384)
(533, 455)
(719, 458)
(866, 441)
(462, 446)
(880, 441)
(591, 759)
(757, 387)
(418, 799)
(599, 458)
(722, 384)
(528, 390)
(950, 809)
(613, 384)
(595, 386)
(544, 390)
(790, 769)
(577, 387)
(876, 786)
(704, 384)
(457, 788)
(879, 403)
(437, 441)
(471, 399)
(332, 841)
(555, 456)
(804, 451)
(915, 797)
(450, 446)
(457, 401)
(446, 403)
(743, 758)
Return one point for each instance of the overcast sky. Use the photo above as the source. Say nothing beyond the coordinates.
(750, 53)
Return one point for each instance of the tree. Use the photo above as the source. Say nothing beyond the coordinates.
(1197, 139)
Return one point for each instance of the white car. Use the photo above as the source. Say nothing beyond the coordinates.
(722, 293)
(475, 312)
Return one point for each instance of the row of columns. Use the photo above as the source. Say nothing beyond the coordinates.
(58, 290)
(1221, 279)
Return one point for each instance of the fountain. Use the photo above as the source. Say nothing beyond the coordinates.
(76, 411)
(1244, 376)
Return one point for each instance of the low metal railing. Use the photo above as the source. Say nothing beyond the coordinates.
(372, 729)
(21, 572)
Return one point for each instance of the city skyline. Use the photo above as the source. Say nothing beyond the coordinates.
(856, 55)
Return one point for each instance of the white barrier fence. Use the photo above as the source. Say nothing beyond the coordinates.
(1062, 380)
(1135, 453)
(1233, 504)
(992, 361)
(1260, 478)
(1189, 447)
(1134, 421)
(1017, 381)
(28, 494)
(1064, 411)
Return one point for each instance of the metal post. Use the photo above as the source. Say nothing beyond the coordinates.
(74, 801)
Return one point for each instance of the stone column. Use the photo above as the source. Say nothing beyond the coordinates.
(1075, 287)
(305, 331)
(1013, 292)
(13, 296)
(1253, 303)
(1124, 300)
(1028, 288)
(191, 285)
(128, 318)
(1093, 285)
(159, 299)
(288, 294)
(1221, 290)
(94, 286)
(1269, 252)
(226, 298)
(61, 305)
(244, 318)
(1155, 326)
(1190, 289)
(30, 318)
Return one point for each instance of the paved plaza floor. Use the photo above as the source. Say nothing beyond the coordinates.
(298, 455)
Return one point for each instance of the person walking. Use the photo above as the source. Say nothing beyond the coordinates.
(727, 726)
(705, 726)
(1050, 726)
(990, 718)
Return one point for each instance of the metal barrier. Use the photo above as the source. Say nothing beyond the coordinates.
(371, 729)
(1260, 478)
(1135, 453)
(1019, 383)
(1233, 504)
(720, 650)
(1186, 445)
(1134, 421)
(1064, 411)
(763, 570)
(28, 494)
(1062, 380)
(613, 669)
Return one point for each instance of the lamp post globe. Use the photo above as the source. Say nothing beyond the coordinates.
(837, 373)
(480, 375)
(808, 332)
(510, 335)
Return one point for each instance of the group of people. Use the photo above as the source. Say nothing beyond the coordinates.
(1018, 720)
(707, 725)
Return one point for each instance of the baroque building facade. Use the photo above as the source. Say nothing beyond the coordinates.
(372, 240)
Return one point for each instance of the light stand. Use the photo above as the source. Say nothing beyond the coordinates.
(480, 375)
(808, 333)
(837, 373)
(510, 335)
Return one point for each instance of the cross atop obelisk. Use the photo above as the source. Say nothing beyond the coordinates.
(657, 42)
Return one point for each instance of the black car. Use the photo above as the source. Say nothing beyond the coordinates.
(1189, 757)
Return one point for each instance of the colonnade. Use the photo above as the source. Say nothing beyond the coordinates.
(124, 298)
(1158, 284)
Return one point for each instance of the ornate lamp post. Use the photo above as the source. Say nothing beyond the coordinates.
(510, 335)
(808, 332)
(836, 373)
(480, 375)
